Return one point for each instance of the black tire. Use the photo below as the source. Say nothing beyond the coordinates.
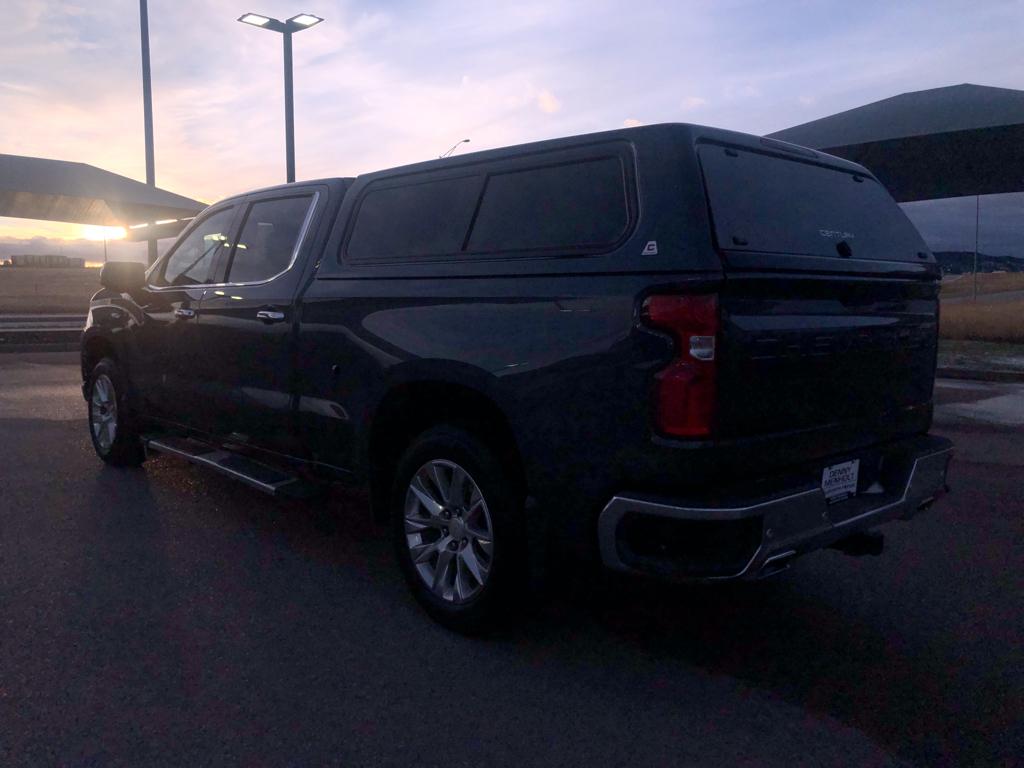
(125, 449)
(497, 597)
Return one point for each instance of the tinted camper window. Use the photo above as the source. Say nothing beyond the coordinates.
(771, 204)
(575, 205)
(416, 219)
(568, 207)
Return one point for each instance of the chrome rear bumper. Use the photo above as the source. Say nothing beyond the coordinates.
(792, 523)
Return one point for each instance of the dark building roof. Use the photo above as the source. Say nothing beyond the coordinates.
(940, 110)
(944, 142)
(58, 190)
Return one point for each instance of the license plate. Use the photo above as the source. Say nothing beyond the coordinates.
(839, 481)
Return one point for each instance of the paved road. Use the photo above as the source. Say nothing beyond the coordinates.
(170, 616)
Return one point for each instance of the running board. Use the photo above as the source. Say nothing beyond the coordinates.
(260, 476)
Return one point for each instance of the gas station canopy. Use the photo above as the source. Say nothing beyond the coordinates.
(945, 142)
(58, 190)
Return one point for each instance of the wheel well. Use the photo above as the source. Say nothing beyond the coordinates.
(95, 349)
(411, 409)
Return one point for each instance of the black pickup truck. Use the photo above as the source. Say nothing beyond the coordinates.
(691, 353)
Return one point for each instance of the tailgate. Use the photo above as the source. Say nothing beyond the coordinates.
(800, 352)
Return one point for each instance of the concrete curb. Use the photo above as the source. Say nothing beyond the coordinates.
(977, 374)
(39, 340)
(53, 346)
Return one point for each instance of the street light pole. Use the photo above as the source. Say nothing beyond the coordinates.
(147, 109)
(977, 223)
(289, 109)
(286, 28)
(454, 146)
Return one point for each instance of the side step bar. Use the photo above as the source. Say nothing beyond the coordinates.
(253, 473)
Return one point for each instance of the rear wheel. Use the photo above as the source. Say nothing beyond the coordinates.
(111, 427)
(457, 529)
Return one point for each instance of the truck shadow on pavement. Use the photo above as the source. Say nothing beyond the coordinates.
(829, 636)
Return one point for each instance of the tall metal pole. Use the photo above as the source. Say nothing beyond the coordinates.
(147, 108)
(289, 109)
(977, 221)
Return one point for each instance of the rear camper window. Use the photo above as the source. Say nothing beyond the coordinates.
(771, 204)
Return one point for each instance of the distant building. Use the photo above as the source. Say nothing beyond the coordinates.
(45, 260)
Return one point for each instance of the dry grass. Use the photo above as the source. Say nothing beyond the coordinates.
(992, 321)
(988, 282)
(27, 290)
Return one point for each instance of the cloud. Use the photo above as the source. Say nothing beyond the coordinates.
(631, 122)
(693, 102)
(548, 102)
(18, 87)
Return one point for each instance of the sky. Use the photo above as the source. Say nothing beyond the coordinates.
(380, 84)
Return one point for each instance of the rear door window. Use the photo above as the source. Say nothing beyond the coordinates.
(268, 239)
(770, 204)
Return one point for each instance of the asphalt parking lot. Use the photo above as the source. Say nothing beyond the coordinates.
(171, 616)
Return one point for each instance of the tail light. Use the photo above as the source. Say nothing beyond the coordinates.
(685, 395)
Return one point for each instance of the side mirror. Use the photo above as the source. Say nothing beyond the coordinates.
(123, 276)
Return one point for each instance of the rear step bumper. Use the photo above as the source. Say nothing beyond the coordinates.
(755, 537)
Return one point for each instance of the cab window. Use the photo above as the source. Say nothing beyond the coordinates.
(194, 259)
(268, 239)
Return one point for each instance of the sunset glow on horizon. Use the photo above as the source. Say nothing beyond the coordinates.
(94, 232)
(26, 229)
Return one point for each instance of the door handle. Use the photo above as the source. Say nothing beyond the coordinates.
(184, 313)
(270, 316)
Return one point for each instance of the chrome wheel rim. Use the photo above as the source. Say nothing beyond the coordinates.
(448, 531)
(103, 412)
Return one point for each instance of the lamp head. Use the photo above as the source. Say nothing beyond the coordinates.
(304, 20)
(296, 23)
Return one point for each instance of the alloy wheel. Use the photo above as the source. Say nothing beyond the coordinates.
(103, 412)
(448, 531)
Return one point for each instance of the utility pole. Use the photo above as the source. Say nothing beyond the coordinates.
(147, 109)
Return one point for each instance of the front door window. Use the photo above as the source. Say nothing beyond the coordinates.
(195, 257)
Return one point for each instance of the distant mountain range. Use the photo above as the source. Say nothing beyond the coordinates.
(962, 262)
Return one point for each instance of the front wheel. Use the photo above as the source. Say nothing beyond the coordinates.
(111, 428)
(457, 529)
